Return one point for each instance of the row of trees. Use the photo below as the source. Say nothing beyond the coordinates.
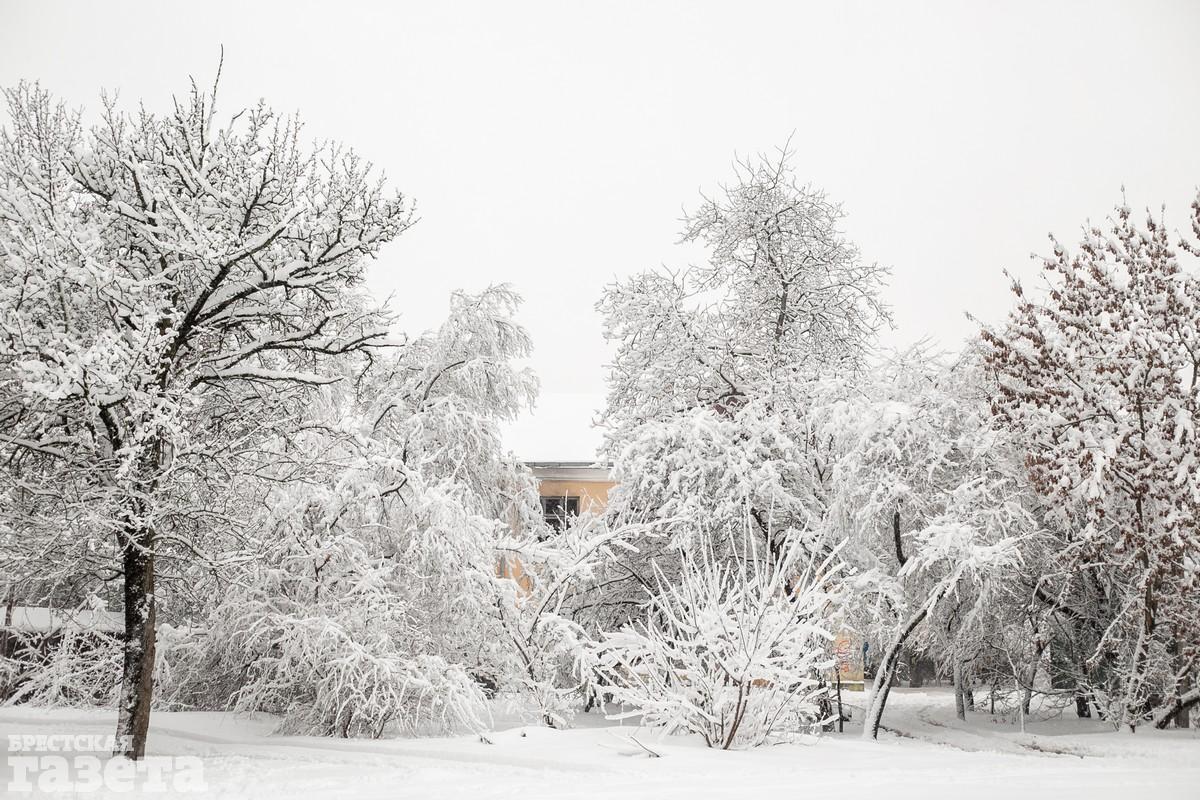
(205, 422)
(1022, 512)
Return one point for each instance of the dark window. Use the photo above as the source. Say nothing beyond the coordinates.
(557, 510)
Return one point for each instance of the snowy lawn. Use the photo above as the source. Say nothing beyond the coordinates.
(925, 754)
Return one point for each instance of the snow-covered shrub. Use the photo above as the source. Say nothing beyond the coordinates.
(74, 668)
(554, 653)
(349, 677)
(342, 668)
(730, 649)
(185, 677)
(335, 631)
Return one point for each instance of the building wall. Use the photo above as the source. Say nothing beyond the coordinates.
(592, 494)
(589, 481)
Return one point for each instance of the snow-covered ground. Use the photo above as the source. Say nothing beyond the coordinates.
(927, 754)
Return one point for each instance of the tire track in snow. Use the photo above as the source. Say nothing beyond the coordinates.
(977, 741)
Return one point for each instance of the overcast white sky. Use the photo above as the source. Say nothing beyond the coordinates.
(552, 145)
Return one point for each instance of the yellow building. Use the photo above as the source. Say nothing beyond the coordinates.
(565, 489)
(848, 661)
(569, 488)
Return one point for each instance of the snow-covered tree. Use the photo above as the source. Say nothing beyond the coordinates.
(1098, 375)
(171, 290)
(711, 387)
(929, 497)
(783, 296)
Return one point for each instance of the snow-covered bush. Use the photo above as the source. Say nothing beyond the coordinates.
(348, 676)
(330, 634)
(730, 649)
(555, 657)
(73, 668)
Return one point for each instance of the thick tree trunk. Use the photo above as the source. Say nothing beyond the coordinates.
(1083, 693)
(915, 679)
(1027, 699)
(887, 670)
(1082, 709)
(879, 692)
(1179, 710)
(960, 700)
(1027, 696)
(137, 679)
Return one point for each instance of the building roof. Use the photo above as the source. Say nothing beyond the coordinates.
(569, 464)
(571, 470)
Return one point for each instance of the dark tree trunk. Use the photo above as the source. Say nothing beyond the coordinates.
(137, 679)
(1082, 709)
(1179, 710)
(825, 707)
(960, 696)
(1027, 699)
(915, 679)
(887, 671)
(9, 603)
(1083, 693)
(841, 713)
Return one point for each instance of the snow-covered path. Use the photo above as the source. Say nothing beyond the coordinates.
(936, 756)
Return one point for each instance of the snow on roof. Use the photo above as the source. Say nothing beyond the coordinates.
(37, 619)
(571, 470)
(569, 464)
